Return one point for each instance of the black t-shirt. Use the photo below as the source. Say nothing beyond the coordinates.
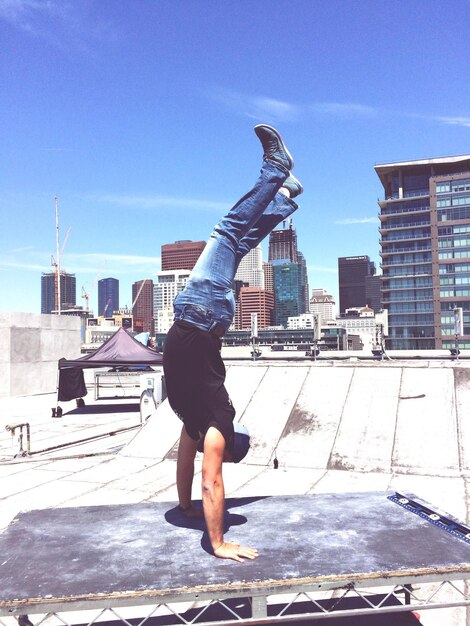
(194, 377)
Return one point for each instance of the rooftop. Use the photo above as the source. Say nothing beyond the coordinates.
(335, 425)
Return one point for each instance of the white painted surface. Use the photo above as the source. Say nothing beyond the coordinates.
(426, 432)
(270, 408)
(311, 430)
(365, 435)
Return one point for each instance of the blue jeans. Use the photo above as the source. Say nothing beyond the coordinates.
(207, 301)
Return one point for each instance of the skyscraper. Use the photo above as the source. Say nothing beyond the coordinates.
(303, 283)
(425, 221)
(142, 309)
(287, 291)
(322, 303)
(169, 284)
(250, 270)
(283, 250)
(283, 244)
(352, 272)
(68, 291)
(181, 255)
(108, 296)
(373, 285)
(268, 276)
(255, 300)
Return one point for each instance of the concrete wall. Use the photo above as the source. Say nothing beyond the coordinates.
(30, 346)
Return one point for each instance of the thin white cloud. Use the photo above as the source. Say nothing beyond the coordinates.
(156, 201)
(256, 107)
(320, 269)
(128, 259)
(35, 267)
(454, 121)
(344, 109)
(61, 23)
(24, 249)
(357, 220)
(274, 110)
(24, 14)
(83, 263)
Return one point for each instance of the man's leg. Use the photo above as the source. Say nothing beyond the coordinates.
(278, 210)
(207, 298)
(217, 263)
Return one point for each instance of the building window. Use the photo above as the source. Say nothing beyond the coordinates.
(443, 203)
(461, 185)
(443, 187)
(461, 201)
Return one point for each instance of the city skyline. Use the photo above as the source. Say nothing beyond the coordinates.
(140, 121)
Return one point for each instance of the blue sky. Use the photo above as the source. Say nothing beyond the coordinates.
(138, 115)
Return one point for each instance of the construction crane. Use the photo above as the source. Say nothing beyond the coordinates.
(59, 253)
(86, 294)
(138, 293)
(106, 307)
(87, 298)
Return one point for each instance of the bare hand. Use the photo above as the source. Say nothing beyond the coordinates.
(229, 550)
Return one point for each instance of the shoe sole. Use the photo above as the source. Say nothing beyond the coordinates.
(280, 139)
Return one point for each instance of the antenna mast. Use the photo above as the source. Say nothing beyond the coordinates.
(57, 287)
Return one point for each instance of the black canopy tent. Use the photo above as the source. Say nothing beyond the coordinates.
(120, 350)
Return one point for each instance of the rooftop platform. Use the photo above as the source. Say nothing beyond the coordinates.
(336, 426)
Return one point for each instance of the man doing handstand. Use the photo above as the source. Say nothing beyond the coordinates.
(204, 310)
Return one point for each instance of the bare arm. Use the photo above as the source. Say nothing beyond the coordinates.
(213, 498)
(185, 469)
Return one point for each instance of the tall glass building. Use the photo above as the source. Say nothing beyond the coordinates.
(108, 296)
(283, 251)
(425, 241)
(288, 294)
(68, 291)
(353, 272)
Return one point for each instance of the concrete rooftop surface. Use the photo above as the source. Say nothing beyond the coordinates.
(334, 426)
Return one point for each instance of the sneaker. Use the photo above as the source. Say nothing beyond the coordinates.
(273, 146)
(293, 185)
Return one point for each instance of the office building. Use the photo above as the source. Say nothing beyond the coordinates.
(283, 249)
(323, 303)
(68, 291)
(303, 283)
(169, 284)
(268, 276)
(283, 244)
(287, 291)
(142, 308)
(305, 320)
(352, 273)
(108, 296)
(255, 300)
(425, 226)
(250, 270)
(181, 255)
(373, 290)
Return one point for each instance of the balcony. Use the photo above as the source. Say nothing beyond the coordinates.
(394, 250)
(392, 300)
(405, 274)
(384, 229)
(391, 211)
(399, 262)
(399, 236)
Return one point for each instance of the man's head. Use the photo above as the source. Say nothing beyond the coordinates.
(239, 444)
